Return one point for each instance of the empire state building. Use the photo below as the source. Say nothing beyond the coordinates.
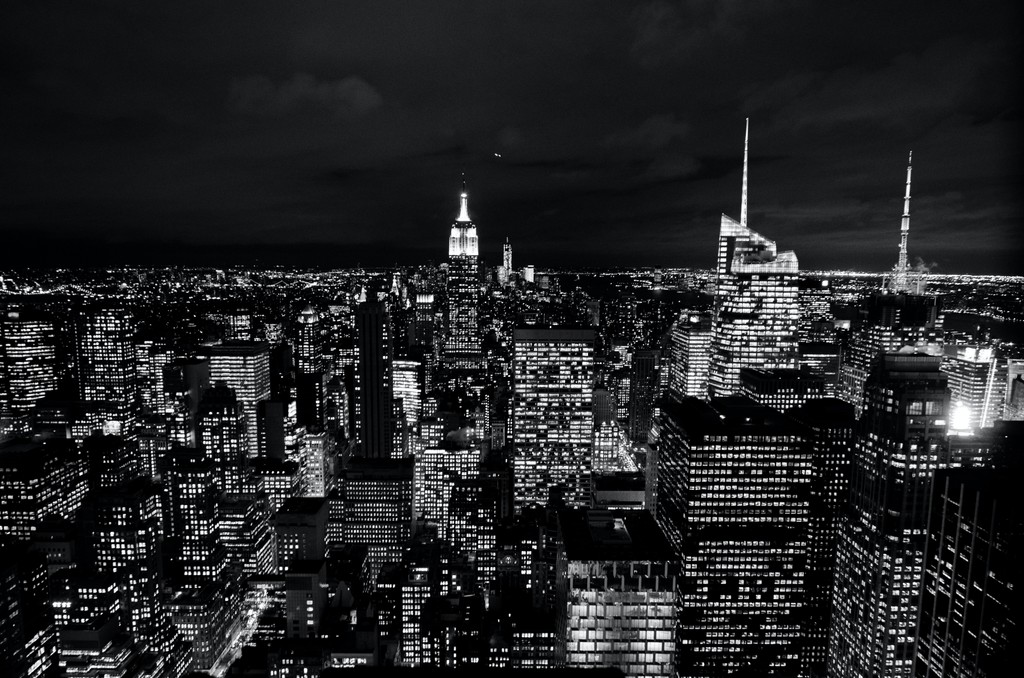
(462, 347)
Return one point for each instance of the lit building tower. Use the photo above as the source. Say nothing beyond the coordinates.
(245, 367)
(222, 437)
(900, 282)
(373, 507)
(37, 481)
(971, 602)
(506, 262)
(462, 344)
(899, 444)
(105, 352)
(977, 386)
(756, 307)
(28, 360)
(830, 422)
(732, 498)
(691, 356)
(126, 536)
(375, 380)
(618, 587)
(311, 386)
(553, 417)
(888, 323)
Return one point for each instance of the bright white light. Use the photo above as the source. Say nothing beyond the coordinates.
(960, 418)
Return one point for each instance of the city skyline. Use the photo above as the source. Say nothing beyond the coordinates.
(310, 142)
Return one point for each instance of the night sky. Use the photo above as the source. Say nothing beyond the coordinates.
(591, 133)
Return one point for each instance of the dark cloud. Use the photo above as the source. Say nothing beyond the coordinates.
(258, 95)
(591, 132)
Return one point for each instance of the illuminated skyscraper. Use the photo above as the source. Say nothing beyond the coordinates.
(732, 497)
(977, 386)
(618, 587)
(222, 437)
(899, 444)
(245, 367)
(38, 480)
(971, 603)
(28, 360)
(830, 423)
(105, 352)
(553, 418)
(462, 343)
(691, 356)
(756, 309)
(506, 263)
(888, 323)
(311, 372)
(127, 535)
(437, 471)
(373, 506)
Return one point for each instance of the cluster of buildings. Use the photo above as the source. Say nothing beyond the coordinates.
(494, 468)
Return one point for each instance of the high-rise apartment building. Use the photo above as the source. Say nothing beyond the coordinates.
(553, 418)
(756, 309)
(733, 488)
(462, 340)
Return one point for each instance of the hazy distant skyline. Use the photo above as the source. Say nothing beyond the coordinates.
(591, 133)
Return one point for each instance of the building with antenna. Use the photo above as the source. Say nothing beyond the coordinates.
(756, 309)
(462, 343)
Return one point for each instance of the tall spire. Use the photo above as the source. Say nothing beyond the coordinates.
(464, 198)
(746, 154)
(901, 273)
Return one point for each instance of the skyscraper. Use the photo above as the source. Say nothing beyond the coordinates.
(830, 423)
(245, 367)
(373, 506)
(644, 390)
(970, 599)
(691, 356)
(887, 323)
(462, 343)
(899, 444)
(977, 386)
(506, 263)
(552, 427)
(105, 352)
(756, 310)
(28, 359)
(375, 380)
(732, 498)
(222, 437)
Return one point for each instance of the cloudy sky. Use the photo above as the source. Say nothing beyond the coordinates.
(591, 133)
